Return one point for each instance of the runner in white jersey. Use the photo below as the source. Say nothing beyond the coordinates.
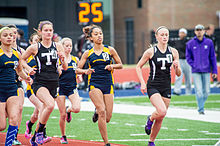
(47, 55)
(160, 57)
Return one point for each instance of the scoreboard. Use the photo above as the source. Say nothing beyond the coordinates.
(89, 12)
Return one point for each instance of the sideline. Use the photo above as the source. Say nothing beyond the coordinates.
(173, 112)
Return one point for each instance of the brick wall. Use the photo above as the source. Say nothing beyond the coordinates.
(172, 13)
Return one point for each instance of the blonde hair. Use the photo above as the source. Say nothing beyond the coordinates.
(4, 28)
(159, 28)
(65, 39)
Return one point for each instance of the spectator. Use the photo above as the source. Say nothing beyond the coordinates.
(200, 55)
(180, 45)
(21, 40)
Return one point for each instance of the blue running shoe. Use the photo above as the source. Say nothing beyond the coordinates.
(148, 125)
(151, 143)
(33, 143)
(39, 138)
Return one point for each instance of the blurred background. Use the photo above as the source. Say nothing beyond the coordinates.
(128, 25)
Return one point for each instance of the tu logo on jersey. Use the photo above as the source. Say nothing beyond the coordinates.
(52, 53)
(168, 59)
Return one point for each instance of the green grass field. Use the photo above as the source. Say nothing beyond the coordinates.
(129, 129)
(212, 103)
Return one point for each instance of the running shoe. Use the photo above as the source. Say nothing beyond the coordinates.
(95, 117)
(68, 115)
(39, 138)
(33, 143)
(151, 143)
(148, 125)
(16, 142)
(108, 144)
(47, 139)
(27, 132)
(63, 140)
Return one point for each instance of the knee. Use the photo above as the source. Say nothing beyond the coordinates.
(75, 109)
(162, 113)
(101, 113)
(50, 106)
(63, 116)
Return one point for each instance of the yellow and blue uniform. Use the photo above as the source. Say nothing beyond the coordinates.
(8, 86)
(67, 80)
(101, 78)
(32, 63)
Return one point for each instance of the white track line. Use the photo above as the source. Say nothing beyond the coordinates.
(218, 143)
(189, 139)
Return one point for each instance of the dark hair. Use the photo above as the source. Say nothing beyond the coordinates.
(89, 29)
(32, 35)
(21, 32)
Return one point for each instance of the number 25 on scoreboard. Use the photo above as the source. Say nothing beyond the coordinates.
(89, 12)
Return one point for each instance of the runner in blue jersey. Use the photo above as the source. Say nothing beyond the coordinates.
(68, 88)
(9, 101)
(100, 76)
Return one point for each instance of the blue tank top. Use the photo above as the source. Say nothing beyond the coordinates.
(101, 76)
(7, 67)
(68, 77)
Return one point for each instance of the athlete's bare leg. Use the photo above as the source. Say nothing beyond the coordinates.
(98, 100)
(161, 104)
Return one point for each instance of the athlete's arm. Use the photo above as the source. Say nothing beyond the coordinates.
(62, 56)
(146, 56)
(176, 63)
(118, 63)
(31, 50)
(21, 73)
(81, 63)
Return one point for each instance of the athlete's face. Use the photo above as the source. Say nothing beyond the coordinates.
(162, 36)
(15, 34)
(47, 32)
(67, 46)
(6, 37)
(97, 36)
(35, 39)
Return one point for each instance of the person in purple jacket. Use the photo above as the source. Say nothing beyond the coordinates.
(200, 54)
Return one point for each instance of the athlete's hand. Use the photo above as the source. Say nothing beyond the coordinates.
(175, 64)
(143, 89)
(61, 56)
(32, 71)
(79, 78)
(109, 67)
(89, 71)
